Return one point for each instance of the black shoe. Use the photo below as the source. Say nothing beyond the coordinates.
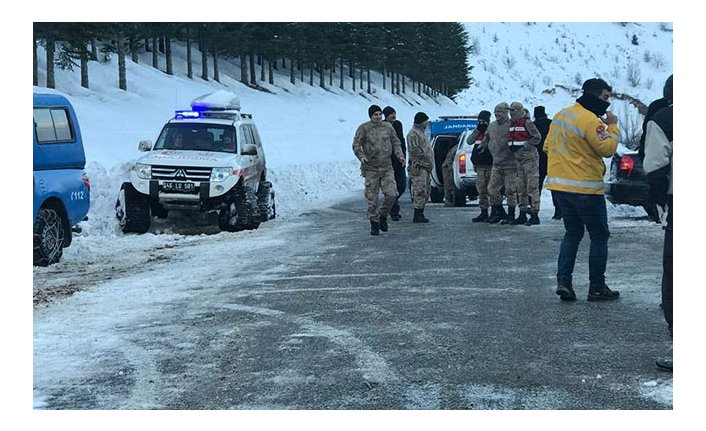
(374, 228)
(483, 216)
(565, 292)
(395, 217)
(533, 220)
(383, 224)
(664, 364)
(602, 293)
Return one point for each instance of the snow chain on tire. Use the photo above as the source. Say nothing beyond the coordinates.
(243, 213)
(266, 201)
(134, 215)
(48, 237)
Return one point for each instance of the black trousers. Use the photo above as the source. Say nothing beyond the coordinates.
(667, 262)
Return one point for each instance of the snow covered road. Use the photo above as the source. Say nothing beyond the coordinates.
(313, 313)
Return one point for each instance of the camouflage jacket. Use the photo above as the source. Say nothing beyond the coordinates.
(419, 149)
(496, 141)
(377, 142)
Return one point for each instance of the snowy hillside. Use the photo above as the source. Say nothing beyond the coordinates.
(307, 131)
(527, 61)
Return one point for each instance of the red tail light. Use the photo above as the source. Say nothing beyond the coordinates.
(626, 165)
(462, 163)
(86, 182)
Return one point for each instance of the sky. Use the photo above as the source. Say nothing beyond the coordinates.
(314, 133)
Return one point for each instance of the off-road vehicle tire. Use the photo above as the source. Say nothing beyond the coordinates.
(459, 198)
(132, 210)
(49, 236)
(242, 213)
(266, 201)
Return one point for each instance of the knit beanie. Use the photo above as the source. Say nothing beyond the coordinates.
(420, 117)
(373, 109)
(484, 115)
(387, 110)
(539, 112)
(668, 90)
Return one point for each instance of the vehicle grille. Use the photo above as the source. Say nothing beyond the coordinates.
(181, 173)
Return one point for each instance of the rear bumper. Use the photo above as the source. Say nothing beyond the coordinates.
(628, 193)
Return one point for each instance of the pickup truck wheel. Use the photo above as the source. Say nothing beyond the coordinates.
(437, 194)
(132, 210)
(48, 237)
(459, 198)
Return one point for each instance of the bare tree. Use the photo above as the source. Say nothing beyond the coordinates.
(51, 45)
(120, 41)
(35, 65)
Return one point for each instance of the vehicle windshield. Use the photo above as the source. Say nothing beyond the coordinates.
(197, 137)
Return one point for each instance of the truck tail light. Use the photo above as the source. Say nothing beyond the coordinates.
(462, 163)
(86, 182)
(626, 165)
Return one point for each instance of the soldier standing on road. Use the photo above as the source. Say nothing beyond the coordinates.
(482, 164)
(504, 172)
(660, 174)
(400, 175)
(543, 122)
(523, 140)
(374, 143)
(421, 161)
(447, 170)
(580, 136)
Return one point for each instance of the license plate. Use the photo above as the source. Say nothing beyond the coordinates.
(178, 187)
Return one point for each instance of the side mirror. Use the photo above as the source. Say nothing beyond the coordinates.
(249, 150)
(145, 145)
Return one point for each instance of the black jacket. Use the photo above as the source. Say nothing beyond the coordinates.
(542, 124)
(478, 157)
(658, 164)
(397, 125)
(651, 111)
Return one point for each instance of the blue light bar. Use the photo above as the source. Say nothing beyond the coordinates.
(187, 114)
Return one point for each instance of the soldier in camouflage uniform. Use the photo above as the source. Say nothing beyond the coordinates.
(482, 164)
(523, 140)
(447, 170)
(504, 172)
(374, 143)
(421, 161)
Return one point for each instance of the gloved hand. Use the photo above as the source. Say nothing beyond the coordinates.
(482, 126)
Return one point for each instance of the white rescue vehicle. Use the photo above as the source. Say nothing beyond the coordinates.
(207, 159)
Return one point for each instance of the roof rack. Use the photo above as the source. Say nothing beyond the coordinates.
(456, 117)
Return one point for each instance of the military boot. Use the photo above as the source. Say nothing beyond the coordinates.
(395, 212)
(534, 218)
(374, 227)
(419, 216)
(483, 216)
(521, 219)
(383, 224)
(510, 217)
(496, 214)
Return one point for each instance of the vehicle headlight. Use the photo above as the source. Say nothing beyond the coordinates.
(220, 174)
(143, 171)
